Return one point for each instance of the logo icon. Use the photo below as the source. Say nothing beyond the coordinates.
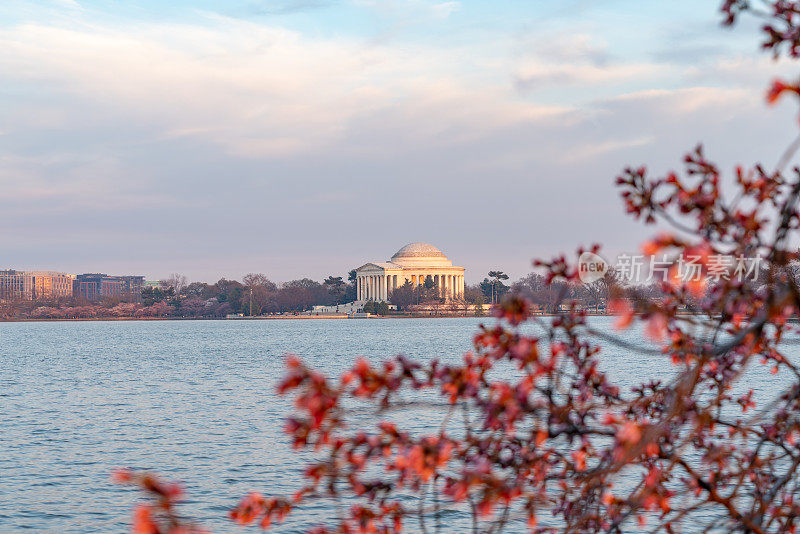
(591, 267)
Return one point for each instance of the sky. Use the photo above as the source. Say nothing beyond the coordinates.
(304, 138)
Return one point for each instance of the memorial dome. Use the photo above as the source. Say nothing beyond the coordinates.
(419, 254)
(419, 250)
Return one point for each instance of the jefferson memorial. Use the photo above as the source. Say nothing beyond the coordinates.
(413, 263)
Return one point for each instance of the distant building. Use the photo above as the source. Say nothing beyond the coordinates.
(134, 285)
(341, 309)
(34, 285)
(414, 263)
(12, 284)
(49, 284)
(94, 286)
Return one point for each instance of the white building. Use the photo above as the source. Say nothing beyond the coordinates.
(413, 263)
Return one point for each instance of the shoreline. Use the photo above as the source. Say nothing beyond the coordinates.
(269, 318)
(291, 318)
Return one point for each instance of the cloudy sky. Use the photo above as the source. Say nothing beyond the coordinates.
(307, 137)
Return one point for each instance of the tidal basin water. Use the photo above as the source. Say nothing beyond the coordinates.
(195, 401)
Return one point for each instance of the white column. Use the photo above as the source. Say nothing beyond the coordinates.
(358, 288)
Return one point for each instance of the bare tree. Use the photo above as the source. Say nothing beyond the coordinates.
(175, 281)
(260, 294)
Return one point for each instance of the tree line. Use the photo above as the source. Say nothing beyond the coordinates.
(257, 295)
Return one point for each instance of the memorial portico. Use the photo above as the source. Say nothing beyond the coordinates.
(413, 263)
